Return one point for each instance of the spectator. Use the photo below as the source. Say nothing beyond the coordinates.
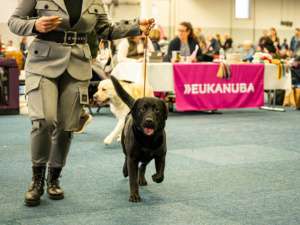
(219, 39)
(23, 46)
(163, 35)
(155, 38)
(214, 46)
(264, 38)
(132, 49)
(248, 51)
(295, 43)
(284, 45)
(228, 42)
(186, 43)
(201, 39)
(275, 39)
(105, 58)
(266, 43)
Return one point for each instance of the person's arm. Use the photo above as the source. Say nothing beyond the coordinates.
(199, 54)
(23, 22)
(151, 48)
(20, 22)
(292, 45)
(168, 56)
(110, 31)
(125, 28)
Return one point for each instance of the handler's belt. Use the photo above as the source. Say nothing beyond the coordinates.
(64, 37)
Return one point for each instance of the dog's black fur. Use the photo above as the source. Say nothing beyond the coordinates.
(143, 139)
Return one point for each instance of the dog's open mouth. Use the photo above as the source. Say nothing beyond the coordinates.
(148, 131)
(103, 103)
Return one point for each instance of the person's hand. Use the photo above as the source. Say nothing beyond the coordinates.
(145, 24)
(174, 61)
(192, 59)
(46, 24)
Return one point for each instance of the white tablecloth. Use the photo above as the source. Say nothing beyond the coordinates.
(271, 79)
(160, 76)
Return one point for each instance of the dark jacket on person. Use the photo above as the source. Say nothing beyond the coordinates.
(156, 46)
(228, 44)
(175, 45)
(267, 43)
(295, 44)
(214, 46)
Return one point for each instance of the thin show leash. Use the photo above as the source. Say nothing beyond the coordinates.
(147, 32)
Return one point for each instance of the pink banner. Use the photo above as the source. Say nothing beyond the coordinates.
(197, 87)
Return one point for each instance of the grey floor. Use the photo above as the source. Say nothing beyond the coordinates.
(240, 167)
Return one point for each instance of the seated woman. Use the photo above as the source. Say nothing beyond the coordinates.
(155, 38)
(132, 49)
(186, 43)
(247, 51)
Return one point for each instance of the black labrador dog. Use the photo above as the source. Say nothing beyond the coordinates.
(143, 139)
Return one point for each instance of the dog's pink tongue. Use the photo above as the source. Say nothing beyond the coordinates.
(148, 131)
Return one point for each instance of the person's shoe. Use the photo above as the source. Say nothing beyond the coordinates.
(36, 189)
(53, 189)
(84, 121)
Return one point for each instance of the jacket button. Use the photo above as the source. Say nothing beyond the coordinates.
(46, 6)
(36, 52)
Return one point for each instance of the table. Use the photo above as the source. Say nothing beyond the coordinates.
(161, 78)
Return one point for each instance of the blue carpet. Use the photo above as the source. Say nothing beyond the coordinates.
(238, 168)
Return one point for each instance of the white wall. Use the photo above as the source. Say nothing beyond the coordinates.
(214, 16)
(217, 16)
(6, 9)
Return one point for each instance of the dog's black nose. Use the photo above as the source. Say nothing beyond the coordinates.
(149, 120)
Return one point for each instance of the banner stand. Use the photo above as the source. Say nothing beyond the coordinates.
(272, 107)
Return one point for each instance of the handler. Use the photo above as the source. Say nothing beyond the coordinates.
(58, 70)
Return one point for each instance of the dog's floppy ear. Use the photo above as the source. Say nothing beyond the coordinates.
(126, 98)
(134, 109)
(165, 110)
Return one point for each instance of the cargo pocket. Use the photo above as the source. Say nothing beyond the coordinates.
(32, 83)
(71, 108)
(87, 52)
(84, 95)
(34, 97)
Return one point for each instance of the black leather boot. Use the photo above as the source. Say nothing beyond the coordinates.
(36, 189)
(53, 189)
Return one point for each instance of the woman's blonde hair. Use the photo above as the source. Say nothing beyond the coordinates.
(155, 34)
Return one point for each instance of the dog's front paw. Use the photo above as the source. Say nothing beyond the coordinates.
(143, 181)
(108, 140)
(135, 198)
(157, 178)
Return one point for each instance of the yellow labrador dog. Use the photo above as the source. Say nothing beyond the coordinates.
(106, 94)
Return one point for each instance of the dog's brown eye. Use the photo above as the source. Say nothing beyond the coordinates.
(143, 109)
(156, 110)
(103, 89)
